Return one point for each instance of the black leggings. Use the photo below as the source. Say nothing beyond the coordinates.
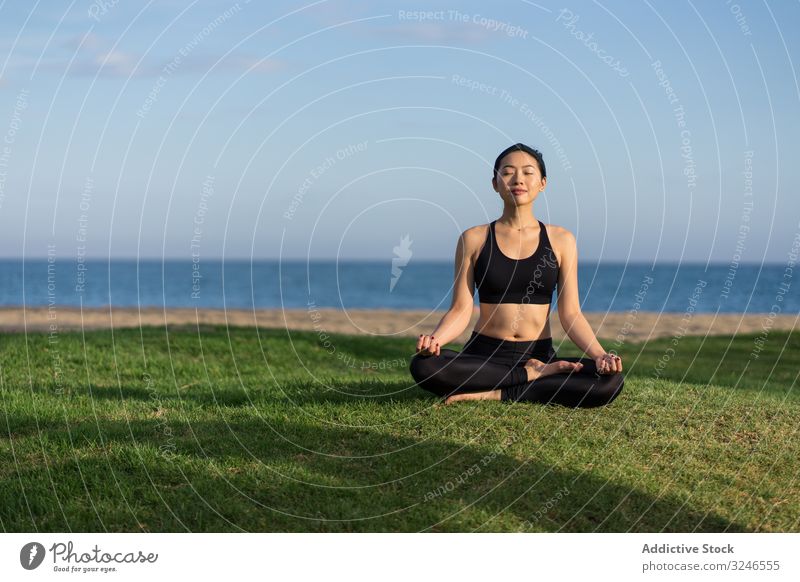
(488, 363)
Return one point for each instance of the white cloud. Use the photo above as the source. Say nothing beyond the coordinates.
(91, 55)
(432, 32)
(253, 64)
(103, 64)
(88, 41)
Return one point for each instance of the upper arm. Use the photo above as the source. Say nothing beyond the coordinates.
(464, 284)
(568, 301)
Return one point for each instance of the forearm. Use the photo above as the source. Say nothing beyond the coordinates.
(452, 325)
(581, 334)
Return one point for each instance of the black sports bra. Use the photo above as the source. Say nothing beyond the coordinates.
(500, 279)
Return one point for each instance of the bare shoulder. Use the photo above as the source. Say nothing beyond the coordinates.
(474, 237)
(563, 242)
(559, 235)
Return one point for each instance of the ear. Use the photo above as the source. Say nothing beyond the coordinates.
(544, 183)
(494, 184)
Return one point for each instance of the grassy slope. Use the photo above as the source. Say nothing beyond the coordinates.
(230, 430)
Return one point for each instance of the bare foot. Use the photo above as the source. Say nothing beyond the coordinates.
(538, 369)
(490, 395)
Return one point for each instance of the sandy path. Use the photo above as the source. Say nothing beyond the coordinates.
(622, 326)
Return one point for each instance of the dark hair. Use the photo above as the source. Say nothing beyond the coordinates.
(521, 147)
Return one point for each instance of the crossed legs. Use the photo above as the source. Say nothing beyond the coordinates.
(572, 382)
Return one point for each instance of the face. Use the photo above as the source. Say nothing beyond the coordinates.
(519, 180)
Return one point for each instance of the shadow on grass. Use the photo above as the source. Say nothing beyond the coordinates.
(333, 390)
(278, 474)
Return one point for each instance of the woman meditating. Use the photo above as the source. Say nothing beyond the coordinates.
(515, 263)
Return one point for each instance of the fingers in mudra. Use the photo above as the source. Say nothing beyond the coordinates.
(609, 364)
(428, 346)
(538, 369)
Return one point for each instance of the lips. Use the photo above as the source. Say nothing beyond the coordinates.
(518, 191)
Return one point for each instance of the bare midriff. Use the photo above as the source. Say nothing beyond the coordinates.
(514, 321)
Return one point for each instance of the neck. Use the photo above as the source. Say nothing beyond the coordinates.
(519, 217)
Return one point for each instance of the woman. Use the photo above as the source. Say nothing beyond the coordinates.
(516, 262)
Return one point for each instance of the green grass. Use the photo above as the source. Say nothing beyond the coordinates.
(213, 429)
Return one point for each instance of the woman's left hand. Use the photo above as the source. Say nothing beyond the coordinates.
(608, 364)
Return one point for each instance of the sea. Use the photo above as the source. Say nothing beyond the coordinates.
(263, 284)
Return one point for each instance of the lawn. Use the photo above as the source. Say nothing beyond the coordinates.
(216, 429)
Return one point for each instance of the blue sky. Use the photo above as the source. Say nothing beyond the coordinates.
(334, 129)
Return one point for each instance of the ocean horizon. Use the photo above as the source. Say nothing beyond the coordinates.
(369, 284)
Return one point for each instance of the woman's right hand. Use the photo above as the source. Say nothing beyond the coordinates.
(428, 346)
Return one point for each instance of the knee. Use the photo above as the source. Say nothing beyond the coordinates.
(421, 368)
(612, 388)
